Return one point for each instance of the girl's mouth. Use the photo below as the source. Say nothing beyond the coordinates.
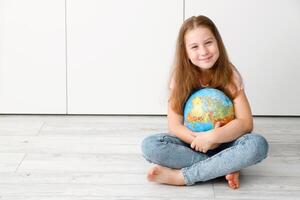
(206, 59)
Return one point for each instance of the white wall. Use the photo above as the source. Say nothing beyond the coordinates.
(118, 53)
(32, 56)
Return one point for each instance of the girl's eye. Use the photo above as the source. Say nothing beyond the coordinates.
(194, 47)
(209, 42)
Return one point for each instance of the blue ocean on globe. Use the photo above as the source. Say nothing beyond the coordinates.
(205, 107)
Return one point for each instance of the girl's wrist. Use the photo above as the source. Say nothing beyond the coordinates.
(214, 136)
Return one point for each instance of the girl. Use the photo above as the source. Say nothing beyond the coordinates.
(183, 157)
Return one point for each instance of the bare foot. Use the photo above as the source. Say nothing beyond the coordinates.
(233, 180)
(165, 175)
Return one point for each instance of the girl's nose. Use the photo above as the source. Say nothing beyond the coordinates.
(202, 51)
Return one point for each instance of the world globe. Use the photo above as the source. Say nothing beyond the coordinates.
(206, 107)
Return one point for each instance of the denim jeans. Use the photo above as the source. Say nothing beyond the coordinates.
(169, 151)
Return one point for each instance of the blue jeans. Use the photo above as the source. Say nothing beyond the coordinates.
(171, 152)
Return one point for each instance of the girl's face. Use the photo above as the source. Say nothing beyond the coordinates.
(201, 47)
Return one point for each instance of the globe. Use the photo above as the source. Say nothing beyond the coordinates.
(205, 107)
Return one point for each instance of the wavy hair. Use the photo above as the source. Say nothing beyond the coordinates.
(185, 75)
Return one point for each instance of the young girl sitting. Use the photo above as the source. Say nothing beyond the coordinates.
(183, 157)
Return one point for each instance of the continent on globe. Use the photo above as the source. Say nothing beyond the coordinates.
(205, 107)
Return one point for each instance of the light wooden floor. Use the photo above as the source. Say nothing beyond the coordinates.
(99, 157)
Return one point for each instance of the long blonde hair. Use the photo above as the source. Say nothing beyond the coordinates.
(186, 76)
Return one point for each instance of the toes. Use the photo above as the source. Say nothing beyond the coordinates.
(151, 174)
(237, 184)
(149, 177)
(232, 185)
(234, 182)
(229, 177)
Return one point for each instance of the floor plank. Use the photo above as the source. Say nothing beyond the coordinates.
(99, 157)
(9, 162)
(260, 187)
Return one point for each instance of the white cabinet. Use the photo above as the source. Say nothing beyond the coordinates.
(119, 55)
(32, 56)
(262, 40)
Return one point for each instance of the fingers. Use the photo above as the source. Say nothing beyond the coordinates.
(193, 145)
(197, 148)
(218, 125)
(201, 150)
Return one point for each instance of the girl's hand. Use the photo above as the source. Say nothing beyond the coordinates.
(204, 141)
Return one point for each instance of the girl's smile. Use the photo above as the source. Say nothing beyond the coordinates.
(206, 59)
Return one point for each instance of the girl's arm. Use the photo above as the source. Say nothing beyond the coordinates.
(176, 127)
(243, 122)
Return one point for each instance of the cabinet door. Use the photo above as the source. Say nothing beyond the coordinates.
(119, 55)
(32, 56)
(262, 40)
